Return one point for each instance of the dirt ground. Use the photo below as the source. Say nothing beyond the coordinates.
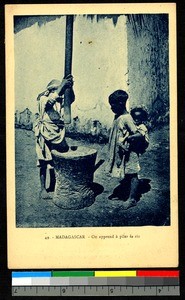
(153, 207)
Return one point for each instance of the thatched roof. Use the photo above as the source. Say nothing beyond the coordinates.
(22, 22)
(137, 21)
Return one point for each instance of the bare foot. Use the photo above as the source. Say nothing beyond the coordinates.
(45, 195)
(129, 203)
(112, 197)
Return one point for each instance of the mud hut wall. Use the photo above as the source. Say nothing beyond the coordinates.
(99, 66)
(148, 62)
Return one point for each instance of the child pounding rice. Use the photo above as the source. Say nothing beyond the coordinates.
(50, 130)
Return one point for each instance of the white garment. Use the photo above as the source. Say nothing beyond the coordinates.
(46, 126)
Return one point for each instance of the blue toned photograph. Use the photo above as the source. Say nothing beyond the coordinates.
(92, 120)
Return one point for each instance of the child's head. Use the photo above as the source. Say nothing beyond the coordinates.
(139, 115)
(117, 101)
(51, 87)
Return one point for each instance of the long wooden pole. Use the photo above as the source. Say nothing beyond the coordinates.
(68, 66)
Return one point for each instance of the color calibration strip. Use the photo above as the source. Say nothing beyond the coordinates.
(96, 283)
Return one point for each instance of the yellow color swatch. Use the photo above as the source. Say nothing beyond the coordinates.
(115, 274)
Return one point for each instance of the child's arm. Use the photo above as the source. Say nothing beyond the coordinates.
(66, 83)
(52, 99)
(127, 127)
(142, 131)
(138, 142)
(131, 127)
(57, 95)
(134, 137)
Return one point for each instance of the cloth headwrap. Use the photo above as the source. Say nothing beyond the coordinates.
(53, 84)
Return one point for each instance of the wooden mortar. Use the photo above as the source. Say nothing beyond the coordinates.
(74, 171)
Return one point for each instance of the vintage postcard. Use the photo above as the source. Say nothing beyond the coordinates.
(91, 103)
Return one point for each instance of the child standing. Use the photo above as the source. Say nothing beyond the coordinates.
(49, 129)
(123, 162)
